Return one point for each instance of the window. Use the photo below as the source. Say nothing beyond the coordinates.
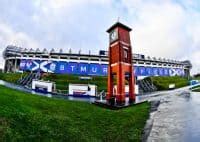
(125, 55)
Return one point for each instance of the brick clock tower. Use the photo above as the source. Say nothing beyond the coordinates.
(120, 69)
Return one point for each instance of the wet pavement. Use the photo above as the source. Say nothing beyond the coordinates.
(177, 118)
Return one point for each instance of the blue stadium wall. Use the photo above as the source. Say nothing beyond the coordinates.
(64, 67)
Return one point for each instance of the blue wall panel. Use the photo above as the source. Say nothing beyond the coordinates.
(72, 68)
(95, 69)
(166, 71)
(22, 65)
(135, 70)
(142, 71)
(83, 68)
(160, 72)
(104, 69)
(155, 71)
(62, 67)
(149, 71)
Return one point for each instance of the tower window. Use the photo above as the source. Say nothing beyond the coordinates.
(125, 54)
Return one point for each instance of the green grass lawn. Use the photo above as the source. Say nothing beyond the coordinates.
(162, 82)
(26, 117)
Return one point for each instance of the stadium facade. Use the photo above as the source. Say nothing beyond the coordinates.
(19, 59)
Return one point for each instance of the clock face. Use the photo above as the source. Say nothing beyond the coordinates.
(113, 35)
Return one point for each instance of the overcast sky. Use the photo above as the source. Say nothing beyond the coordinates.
(161, 28)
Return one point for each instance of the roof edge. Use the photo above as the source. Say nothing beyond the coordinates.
(120, 25)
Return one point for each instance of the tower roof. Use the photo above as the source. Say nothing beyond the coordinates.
(118, 24)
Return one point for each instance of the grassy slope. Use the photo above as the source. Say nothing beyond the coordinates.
(62, 81)
(196, 90)
(25, 117)
(162, 83)
(10, 77)
(196, 78)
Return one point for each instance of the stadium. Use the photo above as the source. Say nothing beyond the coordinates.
(87, 66)
(19, 59)
(72, 71)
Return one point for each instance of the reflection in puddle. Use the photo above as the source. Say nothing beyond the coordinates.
(192, 119)
(177, 120)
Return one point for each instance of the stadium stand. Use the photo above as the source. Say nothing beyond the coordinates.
(19, 59)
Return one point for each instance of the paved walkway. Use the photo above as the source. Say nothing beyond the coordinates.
(177, 118)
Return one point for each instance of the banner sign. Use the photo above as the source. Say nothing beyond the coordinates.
(62, 67)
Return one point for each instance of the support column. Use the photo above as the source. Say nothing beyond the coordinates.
(120, 98)
(5, 63)
(110, 85)
(131, 87)
(15, 67)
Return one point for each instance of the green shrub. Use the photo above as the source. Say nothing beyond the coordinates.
(11, 77)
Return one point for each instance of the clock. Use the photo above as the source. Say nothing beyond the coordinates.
(113, 35)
